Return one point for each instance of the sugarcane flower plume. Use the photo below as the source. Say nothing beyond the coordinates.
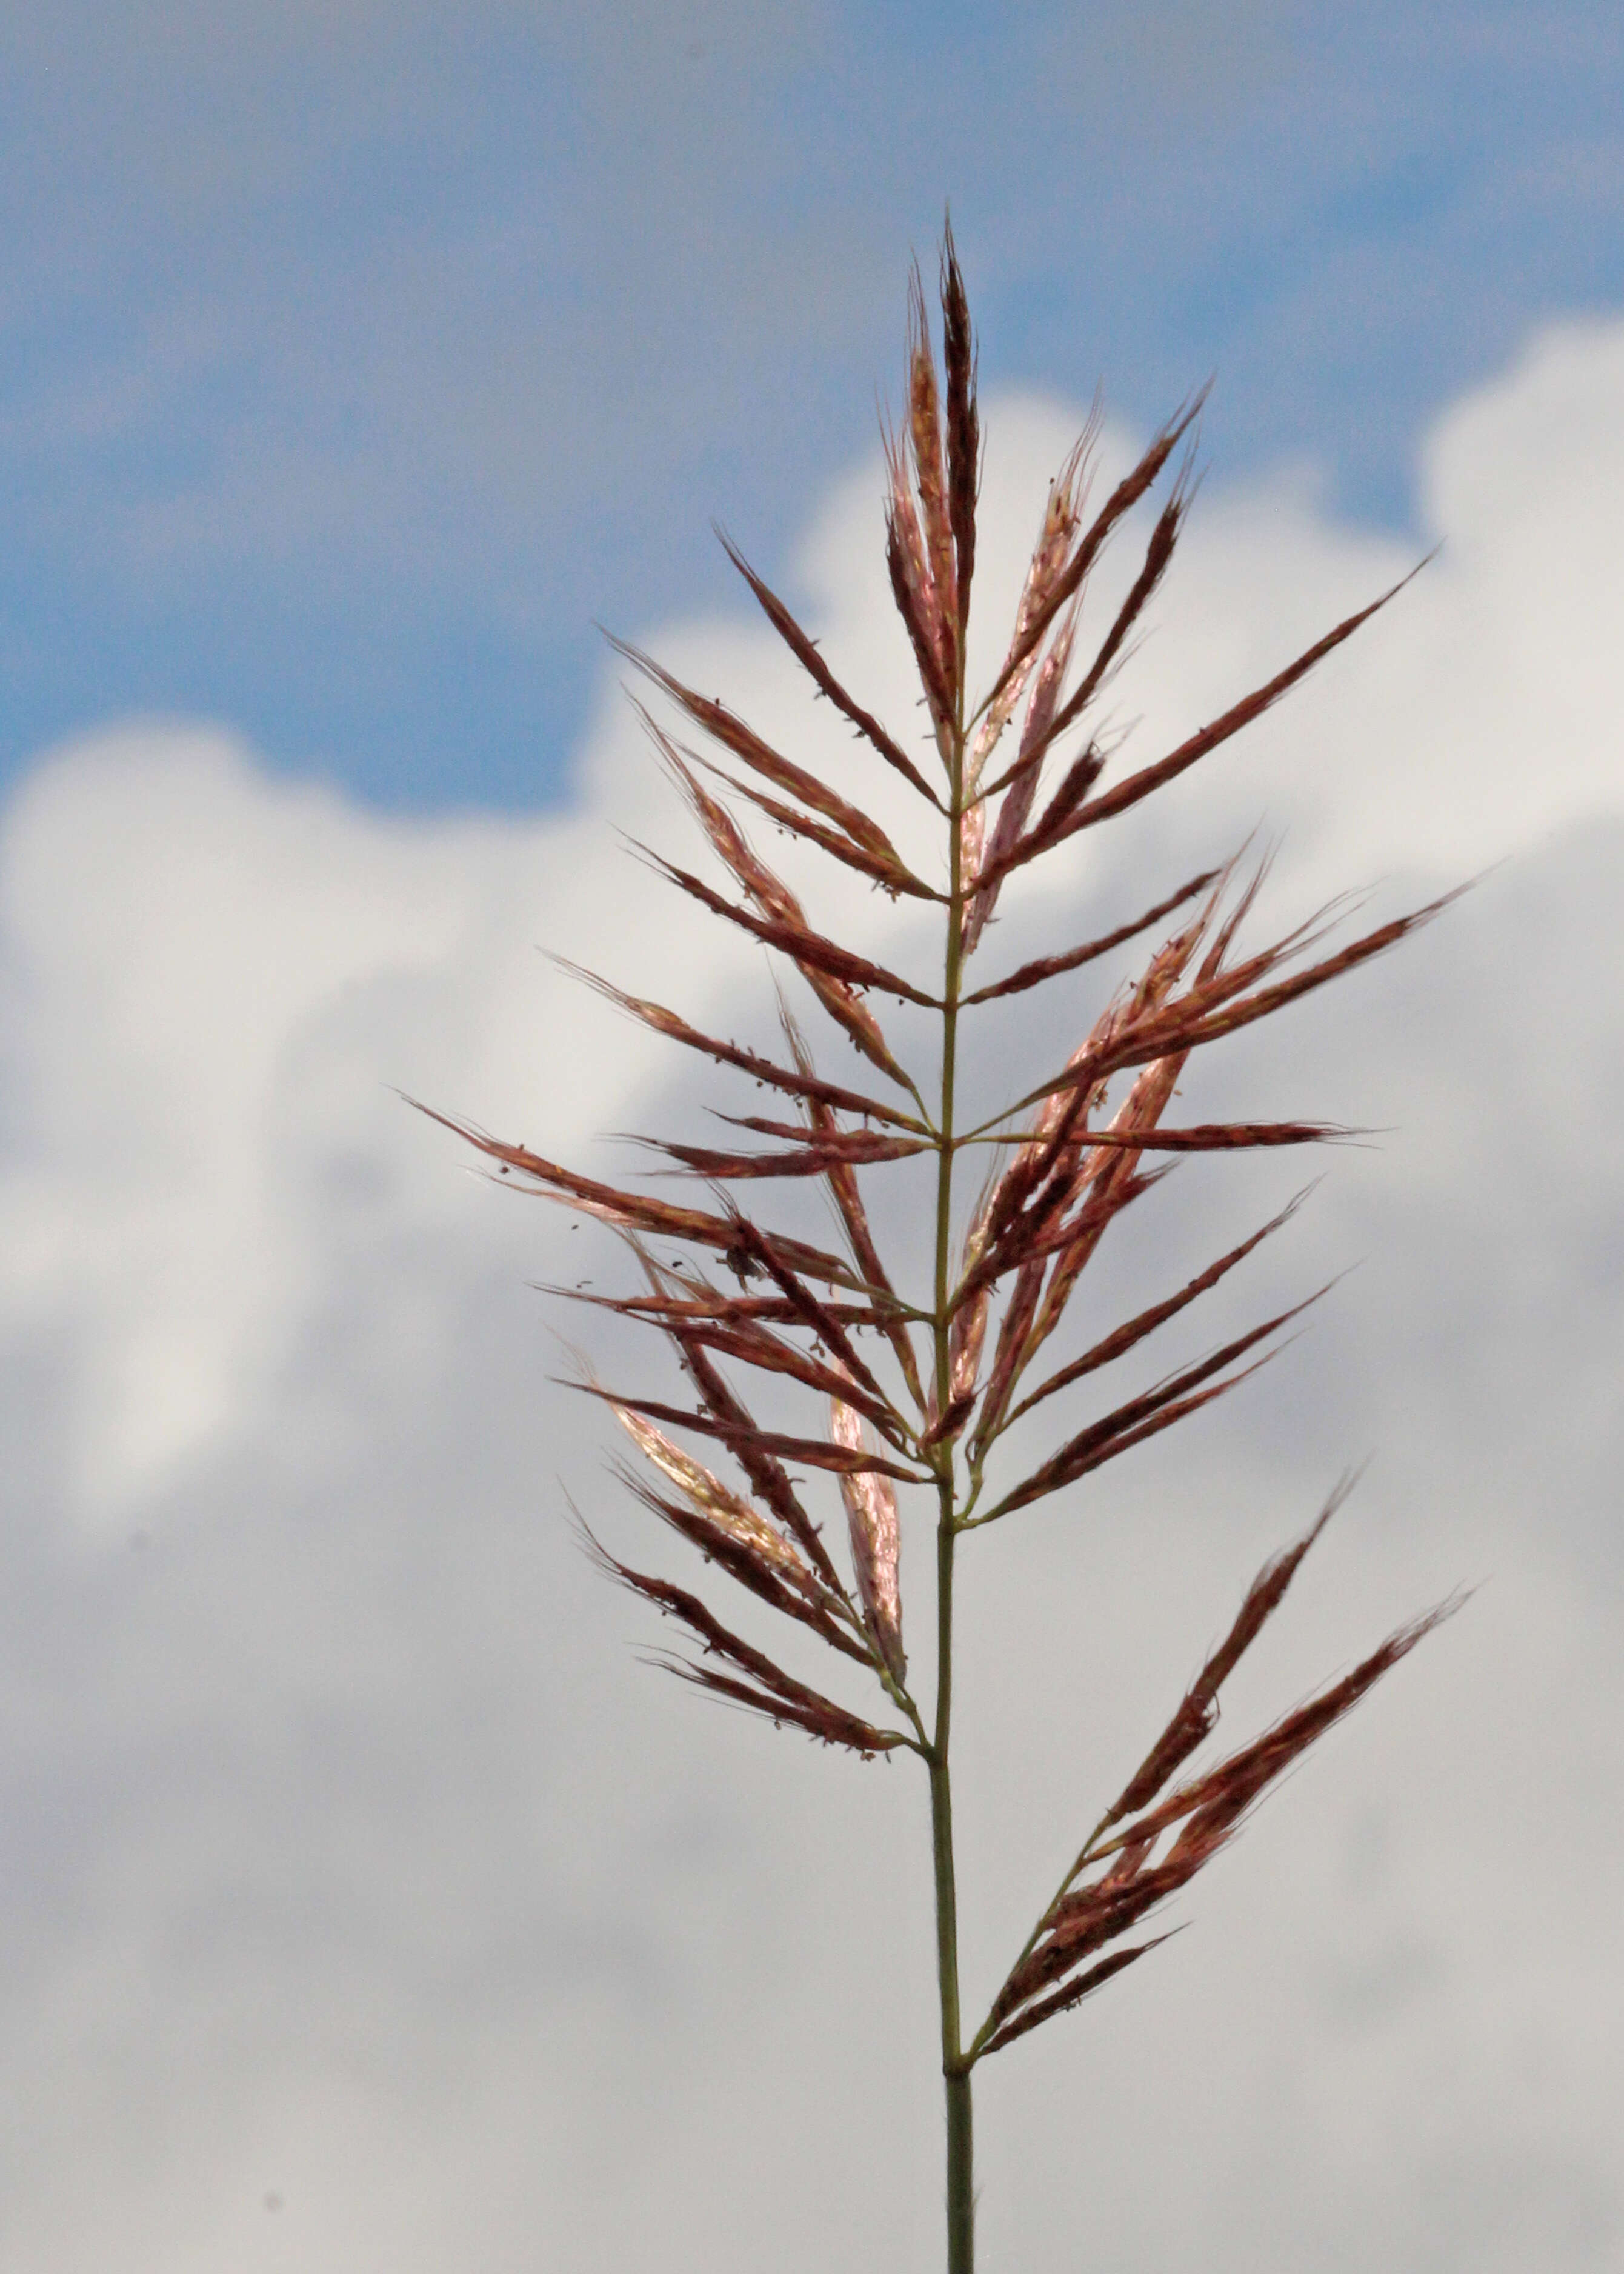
(911, 1390)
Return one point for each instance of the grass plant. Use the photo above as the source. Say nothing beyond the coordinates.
(918, 1388)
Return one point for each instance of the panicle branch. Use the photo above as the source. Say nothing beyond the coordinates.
(1204, 1815)
(934, 471)
(805, 650)
(769, 1690)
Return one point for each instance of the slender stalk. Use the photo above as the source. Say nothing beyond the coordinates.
(960, 2198)
(960, 2140)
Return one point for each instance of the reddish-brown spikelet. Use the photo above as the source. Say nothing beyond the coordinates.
(948, 1423)
(1208, 1012)
(966, 1338)
(1120, 502)
(967, 1329)
(1074, 1994)
(1050, 967)
(847, 1196)
(769, 1478)
(753, 1343)
(722, 1510)
(876, 1540)
(1196, 1718)
(1134, 1330)
(963, 434)
(930, 475)
(1023, 1173)
(636, 1212)
(1158, 556)
(815, 1314)
(724, 726)
(679, 1311)
(846, 1148)
(1038, 1240)
(1020, 1309)
(1020, 785)
(759, 1578)
(1057, 826)
(1095, 1916)
(819, 1717)
(1106, 1167)
(1051, 1170)
(1263, 1598)
(1138, 1418)
(887, 872)
(1059, 526)
(848, 1199)
(779, 1695)
(817, 1452)
(1211, 1810)
(919, 602)
(821, 960)
(972, 843)
(805, 650)
(833, 972)
(1188, 1024)
(1234, 1783)
(805, 1083)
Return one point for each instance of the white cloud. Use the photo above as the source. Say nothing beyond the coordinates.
(215, 979)
(351, 1859)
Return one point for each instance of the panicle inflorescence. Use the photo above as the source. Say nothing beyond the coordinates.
(919, 1392)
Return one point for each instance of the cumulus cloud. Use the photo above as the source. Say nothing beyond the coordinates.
(365, 1902)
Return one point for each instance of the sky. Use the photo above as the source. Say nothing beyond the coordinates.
(355, 360)
(366, 1903)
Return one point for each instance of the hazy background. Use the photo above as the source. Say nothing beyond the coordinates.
(364, 1904)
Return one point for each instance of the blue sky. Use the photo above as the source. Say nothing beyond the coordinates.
(354, 359)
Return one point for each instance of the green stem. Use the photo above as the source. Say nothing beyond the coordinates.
(955, 2071)
(960, 2198)
(961, 2194)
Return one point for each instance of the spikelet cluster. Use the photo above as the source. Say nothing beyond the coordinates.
(908, 1390)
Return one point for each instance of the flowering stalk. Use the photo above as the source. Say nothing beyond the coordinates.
(920, 1394)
